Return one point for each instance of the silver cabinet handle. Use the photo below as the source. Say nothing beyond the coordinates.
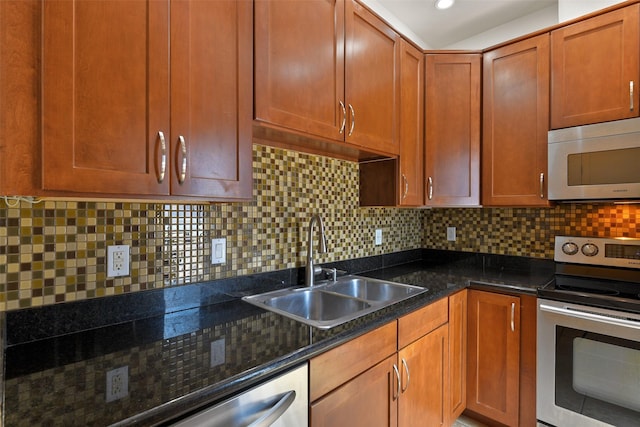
(398, 383)
(182, 172)
(406, 186)
(353, 119)
(430, 187)
(344, 117)
(631, 95)
(163, 157)
(513, 317)
(542, 185)
(406, 369)
(276, 411)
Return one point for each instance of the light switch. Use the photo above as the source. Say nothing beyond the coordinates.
(218, 251)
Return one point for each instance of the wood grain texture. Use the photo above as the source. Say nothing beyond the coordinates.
(299, 65)
(424, 384)
(493, 366)
(515, 123)
(211, 98)
(528, 347)
(457, 383)
(368, 400)
(337, 366)
(452, 142)
(372, 80)
(419, 323)
(411, 159)
(592, 63)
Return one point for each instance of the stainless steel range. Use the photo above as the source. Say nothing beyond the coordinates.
(589, 335)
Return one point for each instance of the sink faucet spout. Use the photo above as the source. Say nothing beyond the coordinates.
(311, 269)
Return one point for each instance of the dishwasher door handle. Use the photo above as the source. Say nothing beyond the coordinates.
(276, 411)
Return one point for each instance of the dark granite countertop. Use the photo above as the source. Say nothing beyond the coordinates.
(61, 379)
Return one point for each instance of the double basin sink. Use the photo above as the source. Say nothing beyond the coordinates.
(329, 304)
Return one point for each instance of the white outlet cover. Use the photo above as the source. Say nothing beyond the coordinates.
(451, 234)
(118, 260)
(117, 384)
(219, 251)
(378, 237)
(218, 352)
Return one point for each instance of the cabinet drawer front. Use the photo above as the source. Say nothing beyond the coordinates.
(339, 365)
(421, 322)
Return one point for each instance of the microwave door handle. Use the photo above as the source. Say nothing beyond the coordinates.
(602, 318)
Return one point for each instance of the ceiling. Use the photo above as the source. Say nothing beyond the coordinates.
(466, 18)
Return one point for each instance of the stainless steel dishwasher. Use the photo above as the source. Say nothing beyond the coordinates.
(280, 402)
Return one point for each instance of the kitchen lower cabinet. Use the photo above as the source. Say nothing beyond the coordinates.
(493, 381)
(516, 123)
(423, 369)
(367, 400)
(457, 380)
(128, 99)
(595, 69)
(361, 383)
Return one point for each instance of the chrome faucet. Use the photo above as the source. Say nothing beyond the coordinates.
(311, 270)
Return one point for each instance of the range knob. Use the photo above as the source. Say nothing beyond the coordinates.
(570, 248)
(589, 249)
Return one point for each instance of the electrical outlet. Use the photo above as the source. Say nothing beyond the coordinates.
(218, 251)
(117, 383)
(378, 237)
(451, 234)
(118, 260)
(218, 353)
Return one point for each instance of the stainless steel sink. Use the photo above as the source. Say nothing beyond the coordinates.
(329, 304)
(373, 290)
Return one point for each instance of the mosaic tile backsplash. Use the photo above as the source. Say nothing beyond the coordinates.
(55, 251)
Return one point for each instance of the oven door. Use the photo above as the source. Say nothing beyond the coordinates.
(588, 366)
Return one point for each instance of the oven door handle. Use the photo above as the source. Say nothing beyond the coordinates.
(603, 318)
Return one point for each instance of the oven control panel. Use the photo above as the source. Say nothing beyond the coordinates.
(616, 252)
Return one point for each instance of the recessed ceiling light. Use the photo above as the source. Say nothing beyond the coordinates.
(444, 4)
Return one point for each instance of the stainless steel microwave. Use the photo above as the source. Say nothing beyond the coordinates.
(595, 162)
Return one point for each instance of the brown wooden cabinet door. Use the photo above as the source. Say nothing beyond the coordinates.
(372, 83)
(593, 65)
(211, 98)
(494, 356)
(105, 96)
(411, 179)
(452, 143)
(457, 396)
(515, 124)
(423, 366)
(299, 69)
(368, 400)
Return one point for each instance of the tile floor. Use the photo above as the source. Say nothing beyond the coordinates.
(468, 422)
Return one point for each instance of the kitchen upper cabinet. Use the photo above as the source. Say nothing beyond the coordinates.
(595, 66)
(147, 98)
(515, 123)
(493, 383)
(299, 66)
(411, 126)
(457, 396)
(327, 69)
(452, 143)
(372, 82)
